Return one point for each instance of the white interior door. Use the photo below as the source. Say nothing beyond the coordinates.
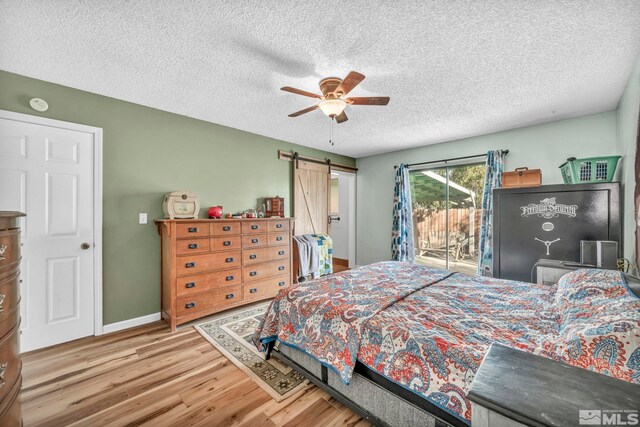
(47, 172)
(343, 213)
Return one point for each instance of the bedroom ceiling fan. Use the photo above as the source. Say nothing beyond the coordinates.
(333, 101)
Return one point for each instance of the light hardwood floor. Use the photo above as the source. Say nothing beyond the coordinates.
(149, 376)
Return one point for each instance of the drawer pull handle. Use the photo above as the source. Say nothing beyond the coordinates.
(229, 296)
(252, 256)
(278, 225)
(190, 305)
(193, 229)
(254, 240)
(3, 249)
(229, 259)
(253, 273)
(193, 246)
(229, 278)
(226, 228)
(190, 264)
(281, 284)
(279, 238)
(227, 243)
(254, 227)
(2, 298)
(191, 285)
(253, 290)
(281, 268)
(280, 252)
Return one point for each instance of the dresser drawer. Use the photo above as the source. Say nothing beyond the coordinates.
(192, 229)
(188, 285)
(188, 265)
(252, 227)
(254, 241)
(192, 246)
(9, 300)
(264, 288)
(10, 364)
(9, 249)
(253, 256)
(225, 228)
(257, 272)
(279, 225)
(279, 239)
(214, 300)
(225, 243)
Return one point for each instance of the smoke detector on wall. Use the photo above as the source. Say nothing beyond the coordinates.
(39, 104)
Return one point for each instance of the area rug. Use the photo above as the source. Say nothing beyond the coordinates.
(231, 334)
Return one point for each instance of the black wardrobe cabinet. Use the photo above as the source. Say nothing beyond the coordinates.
(548, 222)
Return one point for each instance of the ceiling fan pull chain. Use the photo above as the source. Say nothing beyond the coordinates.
(331, 130)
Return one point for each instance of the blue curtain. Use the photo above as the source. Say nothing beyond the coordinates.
(492, 180)
(402, 233)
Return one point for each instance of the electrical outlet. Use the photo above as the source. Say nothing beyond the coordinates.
(142, 218)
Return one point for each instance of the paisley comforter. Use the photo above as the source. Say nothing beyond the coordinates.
(428, 329)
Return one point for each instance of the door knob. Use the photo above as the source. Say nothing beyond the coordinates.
(85, 246)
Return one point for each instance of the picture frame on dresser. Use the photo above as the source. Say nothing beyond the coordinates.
(211, 265)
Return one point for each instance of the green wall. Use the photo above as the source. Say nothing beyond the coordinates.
(147, 153)
(543, 147)
(627, 127)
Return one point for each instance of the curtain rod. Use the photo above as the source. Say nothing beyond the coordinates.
(504, 153)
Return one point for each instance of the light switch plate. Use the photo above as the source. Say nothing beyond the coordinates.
(142, 218)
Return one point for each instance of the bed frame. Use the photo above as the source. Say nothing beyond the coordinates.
(377, 399)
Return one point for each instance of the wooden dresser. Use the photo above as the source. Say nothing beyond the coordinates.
(210, 265)
(10, 363)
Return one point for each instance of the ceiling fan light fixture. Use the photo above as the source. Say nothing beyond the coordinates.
(332, 107)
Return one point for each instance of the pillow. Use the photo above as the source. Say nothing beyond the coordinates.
(599, 323)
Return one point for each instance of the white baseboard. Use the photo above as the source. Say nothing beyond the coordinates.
(126, 324)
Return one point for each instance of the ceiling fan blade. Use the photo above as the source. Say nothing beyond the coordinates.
(301, 112)
(352, 80)
(342, 117)
(369, 100)
(300, 92)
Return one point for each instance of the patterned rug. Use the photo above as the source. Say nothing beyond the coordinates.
(231, 334)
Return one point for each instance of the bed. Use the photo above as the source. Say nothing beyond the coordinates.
(403, 342)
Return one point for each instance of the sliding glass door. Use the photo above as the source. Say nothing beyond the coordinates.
(446, 215)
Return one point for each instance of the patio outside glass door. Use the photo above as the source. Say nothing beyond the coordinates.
(446, 216)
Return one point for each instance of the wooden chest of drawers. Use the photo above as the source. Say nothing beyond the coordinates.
(210, 265)
(10, 363)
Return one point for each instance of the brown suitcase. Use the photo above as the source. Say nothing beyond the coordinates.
(522, 177)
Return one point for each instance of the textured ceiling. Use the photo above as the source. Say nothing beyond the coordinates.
(453, 69)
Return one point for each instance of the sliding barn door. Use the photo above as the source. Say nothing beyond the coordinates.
(311, 197)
